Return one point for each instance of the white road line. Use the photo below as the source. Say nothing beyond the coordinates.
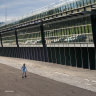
(62, 74)
(89, 84)
(77, 81)
(8, 91)
(87, 80)
(93, 81)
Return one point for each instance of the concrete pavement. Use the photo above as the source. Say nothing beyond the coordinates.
(82, 78)
(11, 84)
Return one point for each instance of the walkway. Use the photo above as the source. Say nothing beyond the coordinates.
(11, 84)
(81, 78)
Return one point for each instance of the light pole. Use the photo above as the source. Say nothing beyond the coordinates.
(5, 15)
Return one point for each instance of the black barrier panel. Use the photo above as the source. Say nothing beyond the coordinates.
(79, 57)
(62, 56)
(92, 58)
(14, 54)
(49, 54)
(27, 53)
(21, 52)
(58, 55)
(36, 54)
(46, 54)
(30, 52)
(18, 52)
(12, 49)
(53, 51)
(40, 54)
(67, 56)
(7, 51)
(73, 56)
(85, 57)
(39, 51)
(33, 53)
(10, 52)
(2, 51)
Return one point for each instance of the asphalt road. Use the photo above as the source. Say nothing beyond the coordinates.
(11, 84)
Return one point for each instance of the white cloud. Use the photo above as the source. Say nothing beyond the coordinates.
(15, 3)
(4, 19)
(23, 9)
(20, 2)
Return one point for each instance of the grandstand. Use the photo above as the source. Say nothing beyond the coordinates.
(63, 34)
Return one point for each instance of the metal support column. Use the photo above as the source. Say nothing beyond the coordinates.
(16, 38)
(44, 42)
(93, 22)
(1, 40)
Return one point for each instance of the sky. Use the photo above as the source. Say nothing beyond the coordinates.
(11, 9)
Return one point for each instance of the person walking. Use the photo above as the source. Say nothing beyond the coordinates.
(24, 71)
